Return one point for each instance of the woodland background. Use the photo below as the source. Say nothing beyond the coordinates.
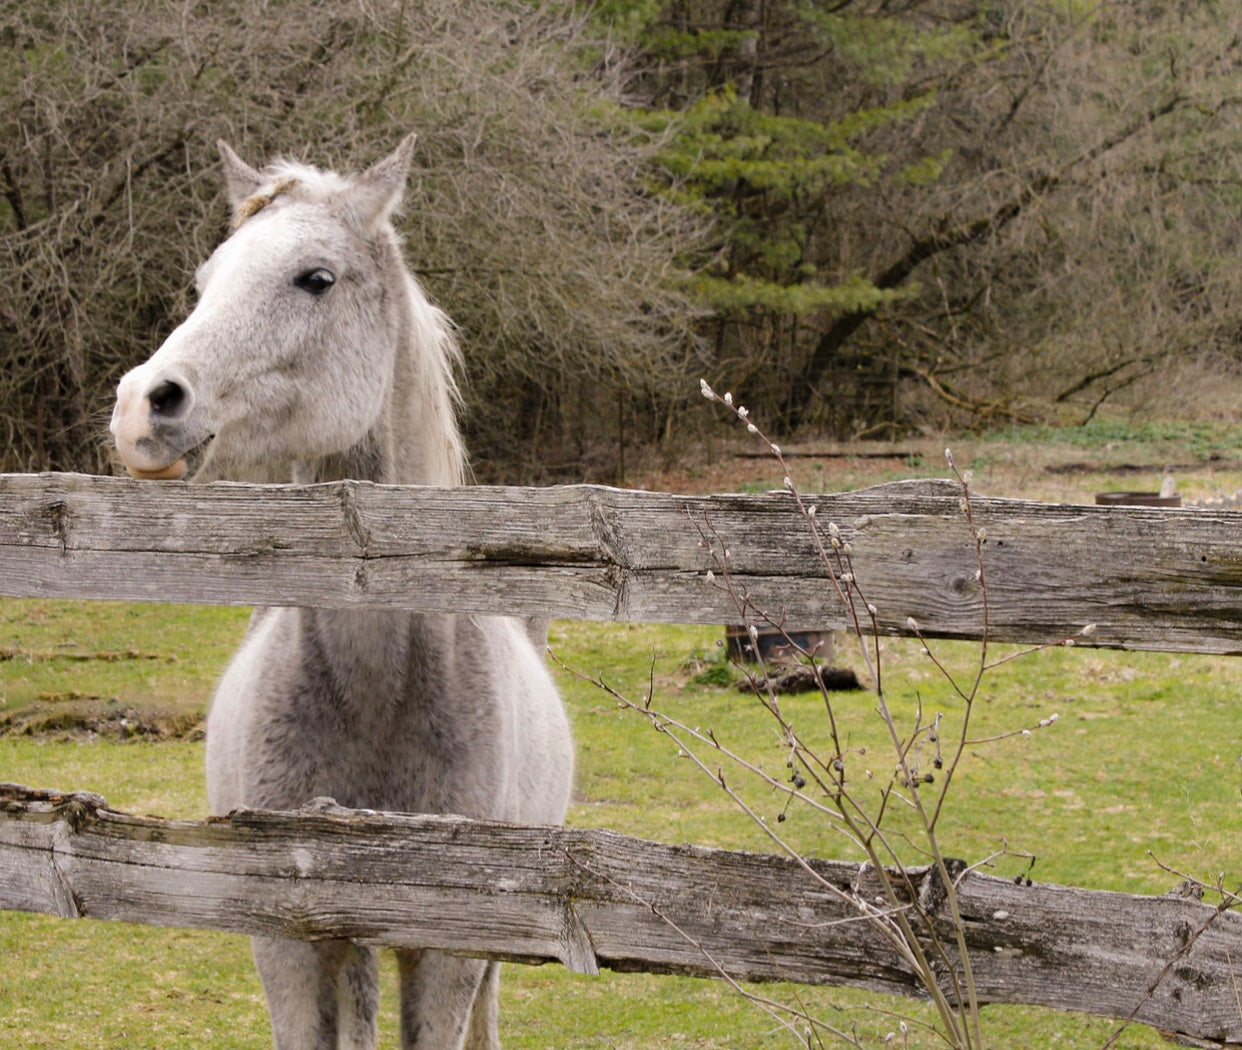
(868, 217)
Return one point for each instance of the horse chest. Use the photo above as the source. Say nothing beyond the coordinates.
(369, 713)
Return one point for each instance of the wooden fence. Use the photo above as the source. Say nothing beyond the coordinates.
(1147, 578)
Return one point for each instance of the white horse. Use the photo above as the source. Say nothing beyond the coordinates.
(314, 355)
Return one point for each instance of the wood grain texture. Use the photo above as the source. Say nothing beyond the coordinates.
(592, 899)
(1149, 578)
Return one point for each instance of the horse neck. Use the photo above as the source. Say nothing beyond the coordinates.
(415, 442)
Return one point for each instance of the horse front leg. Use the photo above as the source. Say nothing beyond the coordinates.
(321, 996)
(483, 1033)
(439, 995)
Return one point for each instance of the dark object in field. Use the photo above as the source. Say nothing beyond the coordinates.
(775, 644)
(803, 678)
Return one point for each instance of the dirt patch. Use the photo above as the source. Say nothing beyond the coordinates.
(1092, 467)
(1051, 472)
(102, 720)
(105, 655)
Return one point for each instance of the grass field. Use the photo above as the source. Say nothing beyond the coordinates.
(1143, 763)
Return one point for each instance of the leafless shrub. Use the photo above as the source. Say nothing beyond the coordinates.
(885, 803)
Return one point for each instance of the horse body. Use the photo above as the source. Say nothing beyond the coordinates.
(314, 355)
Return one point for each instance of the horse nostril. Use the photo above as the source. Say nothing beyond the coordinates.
(168, 399)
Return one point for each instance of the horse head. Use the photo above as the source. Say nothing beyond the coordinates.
(289, 354)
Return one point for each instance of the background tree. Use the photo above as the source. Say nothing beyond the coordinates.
(945, 212)
(918, 213)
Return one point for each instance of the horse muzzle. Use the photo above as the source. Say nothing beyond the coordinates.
(154, 424)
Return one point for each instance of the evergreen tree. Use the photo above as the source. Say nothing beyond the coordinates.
(950, 210)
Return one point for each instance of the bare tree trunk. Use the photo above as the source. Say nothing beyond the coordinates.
(750, 76)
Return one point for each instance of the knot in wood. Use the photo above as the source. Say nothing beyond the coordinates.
(77, 812)
(57, 515)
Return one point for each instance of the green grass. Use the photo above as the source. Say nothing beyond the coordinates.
(1145, 756)
(156, 656)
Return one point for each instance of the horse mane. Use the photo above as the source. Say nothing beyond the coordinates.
(434, 399)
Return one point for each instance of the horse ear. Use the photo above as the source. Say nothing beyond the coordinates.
(240, 179)
(377, 190)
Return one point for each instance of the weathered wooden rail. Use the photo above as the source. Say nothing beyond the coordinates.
(1155, 579)
(592, 899)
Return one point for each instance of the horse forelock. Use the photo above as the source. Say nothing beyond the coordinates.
(256, 202)
(291, 179)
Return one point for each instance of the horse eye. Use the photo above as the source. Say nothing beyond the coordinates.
(315, 281)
